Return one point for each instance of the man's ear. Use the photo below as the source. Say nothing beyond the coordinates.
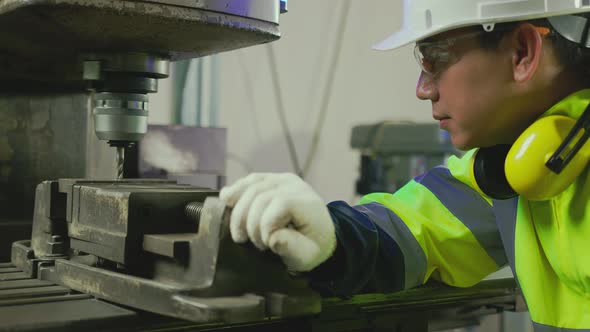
(527, 46)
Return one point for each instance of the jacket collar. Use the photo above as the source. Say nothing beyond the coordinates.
(572, 106)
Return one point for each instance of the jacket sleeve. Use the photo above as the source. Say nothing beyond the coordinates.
(437, 226)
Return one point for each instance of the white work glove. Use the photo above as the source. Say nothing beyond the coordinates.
(283, 213)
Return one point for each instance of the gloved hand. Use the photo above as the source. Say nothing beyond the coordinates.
(283, 213)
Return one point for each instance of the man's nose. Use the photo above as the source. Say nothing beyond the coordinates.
(426, 89)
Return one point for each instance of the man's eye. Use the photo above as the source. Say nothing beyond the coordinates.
(431, 67)
(435, 57)
(435, 52)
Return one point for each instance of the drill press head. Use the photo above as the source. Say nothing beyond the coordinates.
(120, 83)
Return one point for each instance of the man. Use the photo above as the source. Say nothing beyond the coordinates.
(497, 73)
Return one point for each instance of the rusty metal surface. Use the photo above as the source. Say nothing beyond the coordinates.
(113, 217)
(434, 307)
(169, 245)
(157, 297)
(43, 136)
(49, 220)
(209, 283)
(429, 308)
(46, 136)
(38, 305)
(152, 256)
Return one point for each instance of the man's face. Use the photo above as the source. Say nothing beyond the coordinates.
(471, 95)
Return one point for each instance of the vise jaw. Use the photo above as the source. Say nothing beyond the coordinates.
(156, 246)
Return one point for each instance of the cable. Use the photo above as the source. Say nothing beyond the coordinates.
(328, 90)
(281, 110)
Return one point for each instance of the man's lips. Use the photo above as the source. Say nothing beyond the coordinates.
(443, 120)
(440, 117)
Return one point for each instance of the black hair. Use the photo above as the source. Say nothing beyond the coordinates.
(570, 54)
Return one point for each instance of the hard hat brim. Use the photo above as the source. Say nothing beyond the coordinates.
(403, 38)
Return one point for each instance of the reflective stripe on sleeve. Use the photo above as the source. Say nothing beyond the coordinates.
(469, 207)
(453, 253)
(414, 259)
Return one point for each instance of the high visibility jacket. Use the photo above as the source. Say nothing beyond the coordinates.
(441, 226)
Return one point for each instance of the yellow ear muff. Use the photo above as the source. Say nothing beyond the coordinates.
(525, 167)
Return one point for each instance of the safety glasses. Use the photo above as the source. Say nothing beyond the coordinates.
(434, 57)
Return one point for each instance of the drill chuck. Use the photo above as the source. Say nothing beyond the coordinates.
(121, 116)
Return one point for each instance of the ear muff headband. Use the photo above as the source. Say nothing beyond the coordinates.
(564, 154)
(546, 158)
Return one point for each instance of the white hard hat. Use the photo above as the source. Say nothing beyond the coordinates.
(425, 18)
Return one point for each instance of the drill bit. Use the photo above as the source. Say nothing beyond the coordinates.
(120, 161)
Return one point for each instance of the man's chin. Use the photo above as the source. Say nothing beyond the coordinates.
(466, 144)
(462, 144)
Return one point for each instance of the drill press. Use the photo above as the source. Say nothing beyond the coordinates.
(120, 84)
(55, 51)
(149, 244)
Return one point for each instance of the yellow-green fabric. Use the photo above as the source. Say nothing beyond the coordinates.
(453, 254)
(462, 170)
(548, 242)
(552, 245)
(441, 226)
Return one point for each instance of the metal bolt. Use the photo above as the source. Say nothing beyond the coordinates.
(56, 245)
(193, 210)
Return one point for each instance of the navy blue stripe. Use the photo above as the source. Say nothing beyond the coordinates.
(358, 241)
(469, 207)
(505, 211)
(413, 256)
